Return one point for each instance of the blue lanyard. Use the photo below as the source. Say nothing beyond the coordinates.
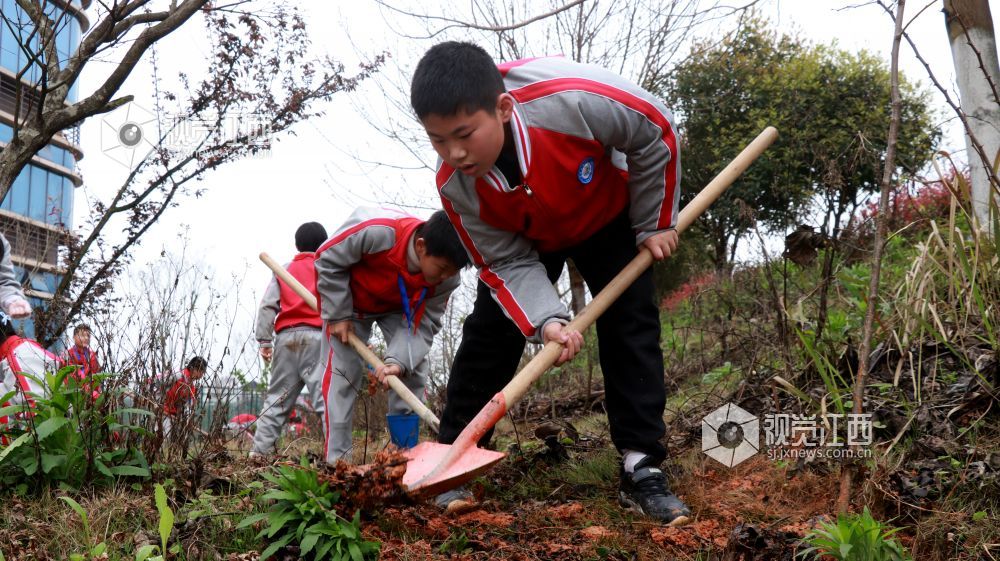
(409, 311)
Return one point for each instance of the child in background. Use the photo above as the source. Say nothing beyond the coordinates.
(290, 332)
(181, 393)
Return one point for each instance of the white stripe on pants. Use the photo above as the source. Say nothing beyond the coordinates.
(344, 378)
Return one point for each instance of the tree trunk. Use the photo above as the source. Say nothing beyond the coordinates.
(974, 50)
(878, 245)
(577, 291)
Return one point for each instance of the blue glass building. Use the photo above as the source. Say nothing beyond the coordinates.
(37, 212)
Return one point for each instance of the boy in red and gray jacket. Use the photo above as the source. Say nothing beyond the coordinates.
(543, 160)
(395, 270)
(181, 392)
(290, 330)
(84, 358)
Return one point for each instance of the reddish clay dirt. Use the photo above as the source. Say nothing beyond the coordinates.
(757, 492)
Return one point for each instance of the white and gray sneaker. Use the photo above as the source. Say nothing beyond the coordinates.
(456, 501)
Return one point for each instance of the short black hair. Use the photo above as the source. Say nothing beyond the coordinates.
(442, 240)
(453, 77)
(82, 327)
(197, 363)
(310, 236)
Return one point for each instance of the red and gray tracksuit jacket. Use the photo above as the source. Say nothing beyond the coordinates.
(589, 144)
(360, 270)
(182, 388)
(281, 307)
(20, 356)
(85, 358)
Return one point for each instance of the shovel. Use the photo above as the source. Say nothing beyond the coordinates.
(433, 468)
(399, 387)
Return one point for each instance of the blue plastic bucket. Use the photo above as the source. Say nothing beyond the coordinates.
(404, 430)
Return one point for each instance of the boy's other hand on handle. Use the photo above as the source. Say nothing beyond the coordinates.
(339, 329)
(571, 340)
(662, 245)
(388, 370)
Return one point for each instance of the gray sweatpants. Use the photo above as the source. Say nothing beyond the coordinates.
(294, 364)
(345, 377)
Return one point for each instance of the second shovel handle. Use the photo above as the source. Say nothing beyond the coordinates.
(545, 358)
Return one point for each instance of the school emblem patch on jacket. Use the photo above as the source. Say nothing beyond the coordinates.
(585, 173)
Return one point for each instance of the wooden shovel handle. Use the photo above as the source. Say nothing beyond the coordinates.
(517, 387)
(395, 383)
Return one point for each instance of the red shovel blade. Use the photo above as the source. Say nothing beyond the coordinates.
(426, 456)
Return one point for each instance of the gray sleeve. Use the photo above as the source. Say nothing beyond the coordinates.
(507, 261)
(336, 257)
(633, 122)
(430, 324)
(270, 305)
(9, 286)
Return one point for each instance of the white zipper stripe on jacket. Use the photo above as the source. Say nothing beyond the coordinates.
(522, 142)
(491, 180)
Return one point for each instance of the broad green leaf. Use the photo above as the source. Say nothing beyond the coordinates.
(355, 552)
(282, 496)
(14, 445)
(277, 522)
(50, 426)
(102, 467)
(251, 520)
(143, 553)
(29, 464)
(166, 515)
(271, 549)
(135, 471)
(13, 409)
(322, 550)
(308, 543)
(50, 461)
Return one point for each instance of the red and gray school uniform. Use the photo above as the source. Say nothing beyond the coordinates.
(596, 173)
(18, 357)
(368, 272)
(85, 359)
(289, 325)
(181, 393)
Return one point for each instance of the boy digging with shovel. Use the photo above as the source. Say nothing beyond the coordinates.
(395, 270)
(543, 160)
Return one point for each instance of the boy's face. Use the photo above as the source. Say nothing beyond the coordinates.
(436, 269)
(196, 373)
(470, 142)
(82, 338)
